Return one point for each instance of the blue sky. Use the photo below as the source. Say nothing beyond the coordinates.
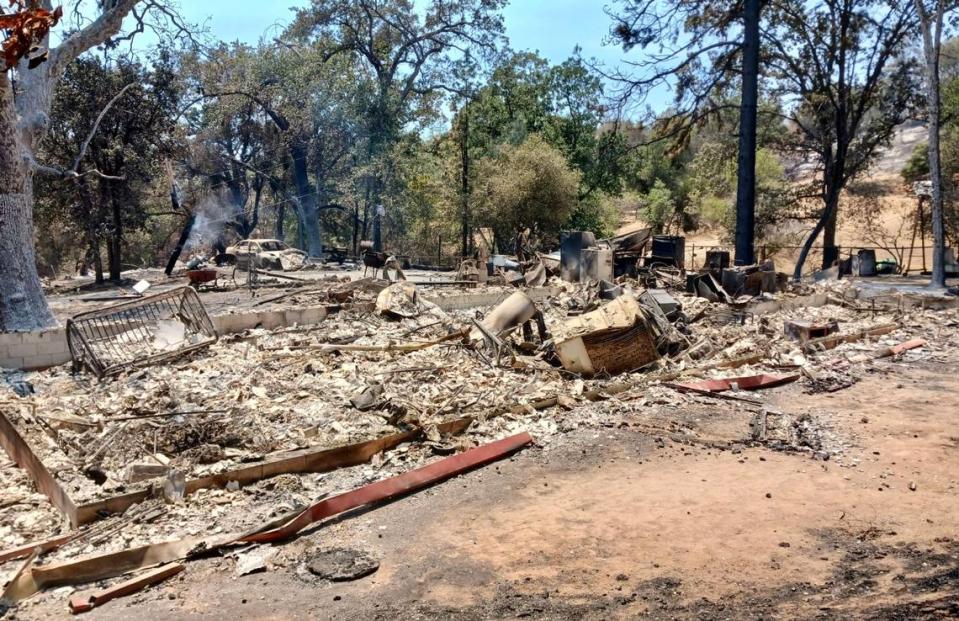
(552, 27)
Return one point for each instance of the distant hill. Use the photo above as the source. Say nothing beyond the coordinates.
(908, 135)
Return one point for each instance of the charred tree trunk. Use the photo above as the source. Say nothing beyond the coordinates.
(115, 248)
(366, 213)
(465, 180)
(184, 234)
(93, 234)
(254, 220)
(374, 149)
(748, 111)
(830, 251)
(377, 223)
(278, 231)
(95, 259)
(112, 260)
(356, 229)
(931, 26)
(300, 228)
(309, 217)
(829, 211)
(180, 244)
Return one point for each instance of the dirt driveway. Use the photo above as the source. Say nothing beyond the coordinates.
(627, 522)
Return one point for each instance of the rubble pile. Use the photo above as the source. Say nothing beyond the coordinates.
(392, 362)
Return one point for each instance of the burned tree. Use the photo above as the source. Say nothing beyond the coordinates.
(836, 67)
(24, 121)
(406, 53)
(278, 119)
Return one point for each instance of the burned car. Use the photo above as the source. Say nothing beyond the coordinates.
(265, 254)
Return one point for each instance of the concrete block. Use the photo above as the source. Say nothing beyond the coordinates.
(52, 336)
(44, 361)
(486, 300)
(239, 323)
(313, 315)
(271, 320)
(228, 324)
(22, 350)
(10, 362)
(11, 338)
(53, 347)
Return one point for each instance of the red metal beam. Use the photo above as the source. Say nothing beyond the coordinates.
(751, 382)
(394, 486)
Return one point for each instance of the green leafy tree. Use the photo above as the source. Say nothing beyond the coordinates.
(529, 185)
(659, 207)
(125, 130)
(565, 105)
(916, 167)
(712, 183)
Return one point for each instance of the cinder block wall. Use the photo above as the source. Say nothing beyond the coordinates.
(41, 350)
(34, 350)
(477, 300)
(31, 351)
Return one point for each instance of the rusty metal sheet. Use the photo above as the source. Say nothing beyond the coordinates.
(86, 603)
(395, 486)
(304, 460)
(749, 382)
(44, 546)
(21, 453)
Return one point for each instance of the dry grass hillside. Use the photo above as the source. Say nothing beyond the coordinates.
(877, 211)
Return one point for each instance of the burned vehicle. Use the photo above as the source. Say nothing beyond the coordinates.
(265, 254)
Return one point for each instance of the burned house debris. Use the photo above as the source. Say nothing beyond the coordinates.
(179, 429)
(371, 309)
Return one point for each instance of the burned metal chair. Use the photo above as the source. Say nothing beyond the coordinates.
(139, 333)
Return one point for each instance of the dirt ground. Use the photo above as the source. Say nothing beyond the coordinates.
(626, 522)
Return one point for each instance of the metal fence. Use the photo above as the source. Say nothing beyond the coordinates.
(915, 258)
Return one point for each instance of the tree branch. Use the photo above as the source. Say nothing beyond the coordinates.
(98, 31)
(96, 125)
